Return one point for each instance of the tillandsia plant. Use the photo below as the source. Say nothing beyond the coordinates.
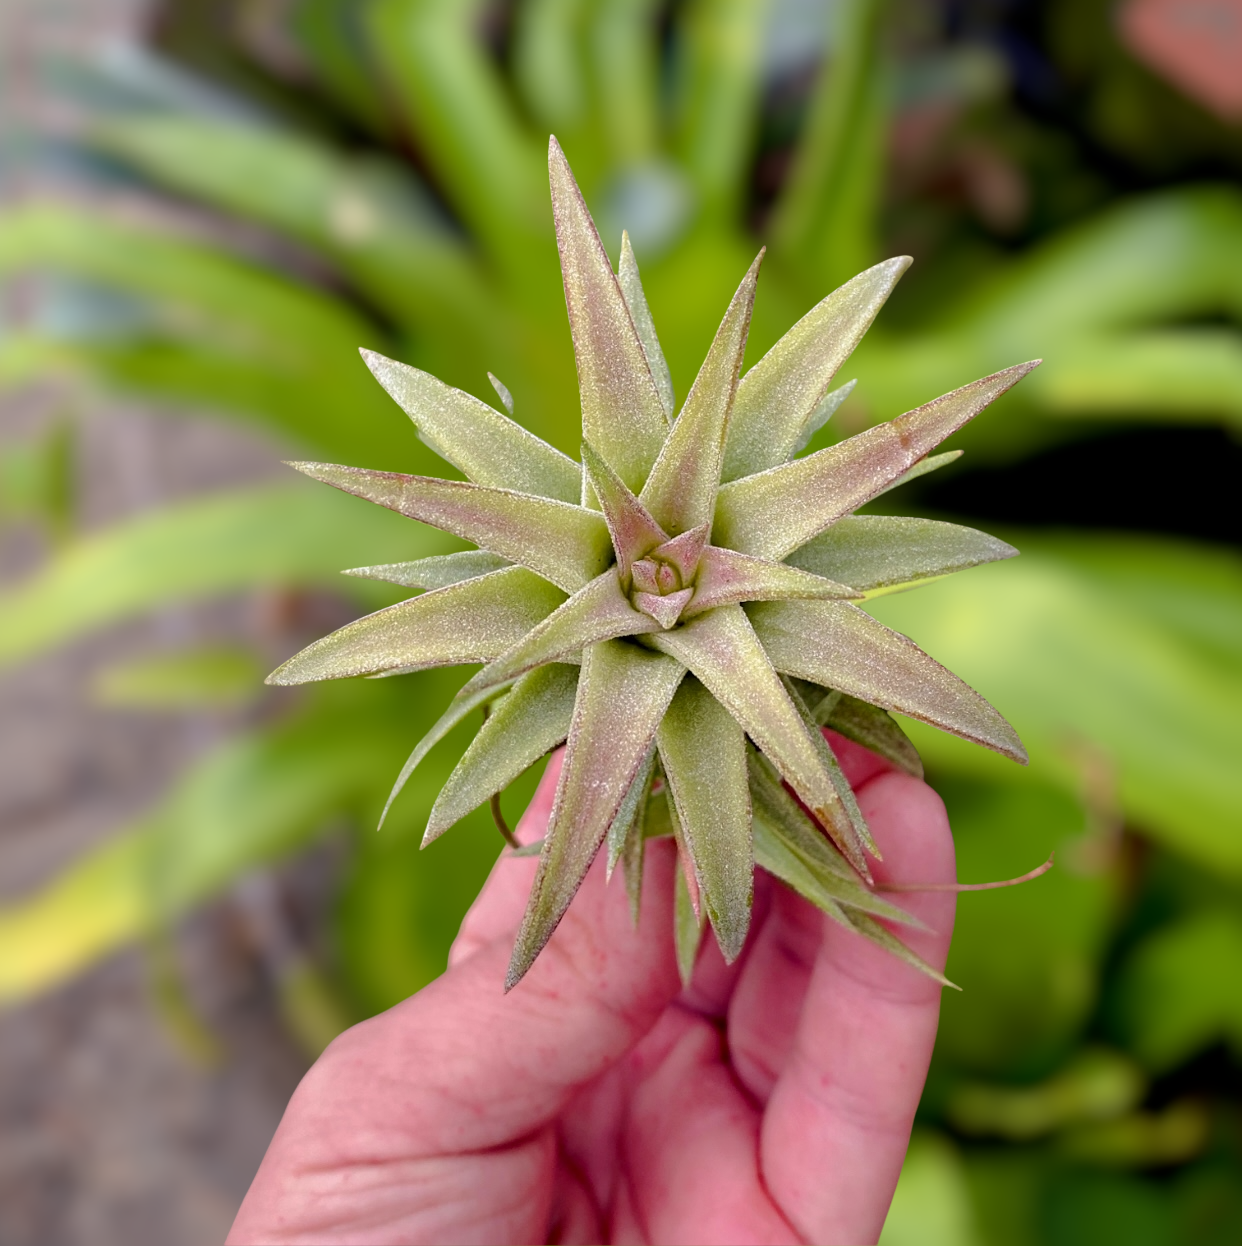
(679, 607)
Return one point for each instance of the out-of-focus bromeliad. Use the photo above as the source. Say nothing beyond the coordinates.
(679, 608)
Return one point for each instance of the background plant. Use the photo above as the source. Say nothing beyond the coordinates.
(388, 157)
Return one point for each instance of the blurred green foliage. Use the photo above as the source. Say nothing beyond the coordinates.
(388, 156)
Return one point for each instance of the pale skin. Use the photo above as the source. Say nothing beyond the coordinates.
(600, 1102)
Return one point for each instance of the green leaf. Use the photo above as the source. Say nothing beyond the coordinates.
(634, 532)
(471, 621)
(600, 611)
(369, 216)
(459, 709)
(788, 844)
(531, 721)
(845, 793)
(829, 405)
(215, 676)
(932, 463)
(623, 693)
(632, 291)
(561, 542)
(486, 446)
(681, 491)
(872, 728)
(837, 645)
(628, 822)
(622, 415)
(771, 514)
(722, 650)
(438, 571)
(726, 577)
(704, 755)
(687, 927)
(273, 535)
(779, 399)
(871, 552)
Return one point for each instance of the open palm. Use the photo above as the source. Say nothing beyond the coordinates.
(598, 1101)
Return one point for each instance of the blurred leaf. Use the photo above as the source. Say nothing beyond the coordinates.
(1076, 642)
(932, 1204)
(251, 801)
(214, 677)
(275, 535)
(1180, 990)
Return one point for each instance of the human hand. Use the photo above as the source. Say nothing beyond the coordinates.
(598, 1101)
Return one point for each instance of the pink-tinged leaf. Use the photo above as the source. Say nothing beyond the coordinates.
(623, 693)
(484, 445)
(704, 754)
(681, 490)
(726, 577)
(722, 650)
(640, 313)
(874, 552)
(634, 533)
(778, 396)
(622, 415)
(773, 513)
(459, 709)
(524, 725)
(598, 612)
(566, 544)
(438, 571)
(473, 621)
(664, 610)
(684, 551)
(837, 645)
(819, 872)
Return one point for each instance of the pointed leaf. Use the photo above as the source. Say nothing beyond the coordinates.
(838, 645)
(632, 853)
(598, 612)
(623, 693)
(932, 463)
(778, 396)
(687, 929)
(628, 821)
(506, 398)
(684, 551)
(484, 445)
(829, 405)
(664, 610)
(634, 532)
(531, 721)
(681, 490)
(640, 313)
(473, 621)
(874, 729)
(722, 650)
(871, 929)
(840, 783)
(725, 577)
(773, 513)
(561, 542)
(704, 755)
(880, 551)
(439, 571)
(459, 708)
(622, 415)
(782, 829)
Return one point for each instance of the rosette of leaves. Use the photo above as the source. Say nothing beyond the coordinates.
(679, 608)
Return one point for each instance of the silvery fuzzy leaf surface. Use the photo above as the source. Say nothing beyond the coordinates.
(678, 607)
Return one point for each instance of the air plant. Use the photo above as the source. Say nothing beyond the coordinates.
(680, 608)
